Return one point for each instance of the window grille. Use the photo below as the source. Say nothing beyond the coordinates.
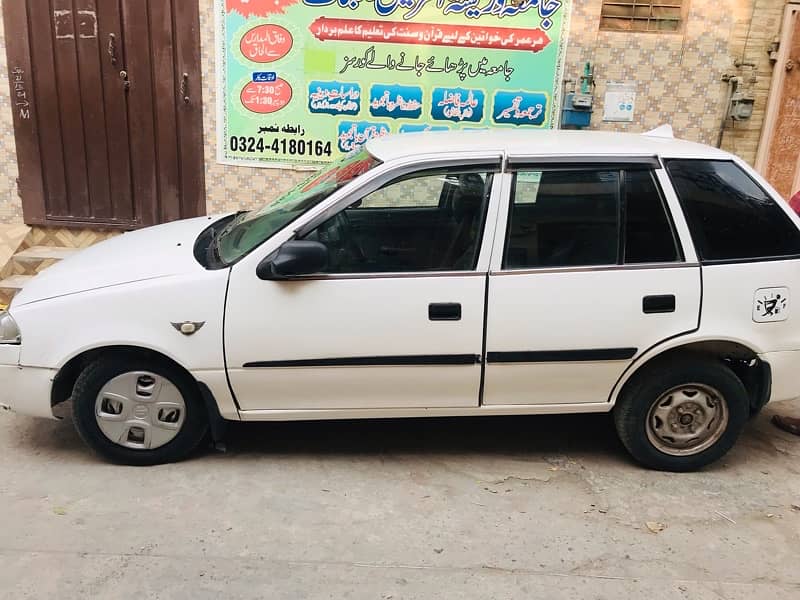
(642, 15)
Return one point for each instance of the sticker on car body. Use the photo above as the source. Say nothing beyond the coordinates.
(771, 305)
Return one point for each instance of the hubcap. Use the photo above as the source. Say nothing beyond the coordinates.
(140, 410)
(687, 419)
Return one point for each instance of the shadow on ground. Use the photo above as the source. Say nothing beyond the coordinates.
(535, 435)
(524, 436)
(506, 435)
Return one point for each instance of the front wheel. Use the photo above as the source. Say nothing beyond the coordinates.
(138, 411)
(681, 415)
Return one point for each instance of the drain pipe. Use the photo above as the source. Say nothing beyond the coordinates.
(733, 84)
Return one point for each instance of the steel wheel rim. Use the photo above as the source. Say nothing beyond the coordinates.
(140, 410)
(687, 419)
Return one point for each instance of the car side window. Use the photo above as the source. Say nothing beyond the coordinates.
(563, 218)
(428, 221)
(649, 236)
(729, 215)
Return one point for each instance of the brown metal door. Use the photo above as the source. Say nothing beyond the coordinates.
(112, 132)
(780, 163)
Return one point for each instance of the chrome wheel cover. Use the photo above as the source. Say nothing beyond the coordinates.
(140, 410)
(687, 419)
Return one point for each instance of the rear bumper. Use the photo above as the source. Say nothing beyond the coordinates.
(25, 390)
(784, 369)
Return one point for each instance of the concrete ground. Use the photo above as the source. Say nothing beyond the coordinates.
(526, 507)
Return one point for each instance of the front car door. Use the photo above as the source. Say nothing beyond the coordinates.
(587, 274)
(395, 321)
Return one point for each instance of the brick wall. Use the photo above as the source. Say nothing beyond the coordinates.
(679, 81)
(10, 203)
(679, 75)
(749, 44)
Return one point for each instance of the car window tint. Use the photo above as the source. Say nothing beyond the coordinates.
(730, 217)
(648, 232)
(431, 221)
(563, 219)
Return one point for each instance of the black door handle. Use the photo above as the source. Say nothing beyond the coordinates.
(658, 304)
(444, 311)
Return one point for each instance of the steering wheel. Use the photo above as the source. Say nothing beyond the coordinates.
(337, 234)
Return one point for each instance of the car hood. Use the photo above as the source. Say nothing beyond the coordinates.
(149, 253)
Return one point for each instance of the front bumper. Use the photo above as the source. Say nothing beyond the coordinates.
(785, 381)
(25, 390)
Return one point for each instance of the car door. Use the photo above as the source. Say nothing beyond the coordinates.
(587, 275)
(395, 321)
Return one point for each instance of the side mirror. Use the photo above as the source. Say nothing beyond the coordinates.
(294, 258)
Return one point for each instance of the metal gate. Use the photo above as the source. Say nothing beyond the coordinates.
(107, 108)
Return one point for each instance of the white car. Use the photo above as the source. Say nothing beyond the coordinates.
(435, 274)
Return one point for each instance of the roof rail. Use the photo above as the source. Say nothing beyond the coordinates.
(664, 131)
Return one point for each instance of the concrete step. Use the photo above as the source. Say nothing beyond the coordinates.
(44, 253)
(37, 258)
(10, 286)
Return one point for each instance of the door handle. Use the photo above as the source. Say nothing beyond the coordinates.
(658, 304)
(444, 311)
(185, 88)
(112, 48)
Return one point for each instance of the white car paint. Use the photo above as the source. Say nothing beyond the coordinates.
(515, 143)
(123, 292)
(579, 308)
(129, 290)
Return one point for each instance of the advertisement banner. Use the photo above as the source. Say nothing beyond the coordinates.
(304, 82)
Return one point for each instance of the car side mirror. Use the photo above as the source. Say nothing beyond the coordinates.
(294, 258)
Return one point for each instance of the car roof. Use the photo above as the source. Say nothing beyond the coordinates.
(523, 143)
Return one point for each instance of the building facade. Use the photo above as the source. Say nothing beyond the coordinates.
(684, 58)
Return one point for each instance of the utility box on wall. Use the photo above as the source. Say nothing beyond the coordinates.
(741, 107)
(577, 111)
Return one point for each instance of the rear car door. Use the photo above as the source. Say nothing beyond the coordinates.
(587, 274)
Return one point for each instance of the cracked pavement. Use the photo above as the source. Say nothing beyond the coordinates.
(512, 507)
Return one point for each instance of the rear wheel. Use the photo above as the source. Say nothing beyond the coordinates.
(681, 415)
(138, 411)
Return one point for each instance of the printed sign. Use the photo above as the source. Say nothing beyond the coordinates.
(303, 82)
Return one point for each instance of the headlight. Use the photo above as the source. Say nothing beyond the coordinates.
(9, 332)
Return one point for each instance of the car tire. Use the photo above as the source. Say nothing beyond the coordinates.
(681, 414)
(138, 411)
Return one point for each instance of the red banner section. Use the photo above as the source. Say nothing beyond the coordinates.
(433, 34)
(266, 43)
(258, 8)
(265, 98)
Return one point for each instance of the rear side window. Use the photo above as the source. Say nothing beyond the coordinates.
(563, 219)
(587, 217)
(730, 217)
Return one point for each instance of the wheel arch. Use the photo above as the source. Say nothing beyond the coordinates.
(740, 357)
(68, 373)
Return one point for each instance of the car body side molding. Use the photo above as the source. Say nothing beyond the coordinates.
(371, 361)
(587, 355)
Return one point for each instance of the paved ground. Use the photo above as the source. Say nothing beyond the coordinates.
(533, 507)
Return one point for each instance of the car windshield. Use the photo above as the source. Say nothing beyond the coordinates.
(251, 229)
